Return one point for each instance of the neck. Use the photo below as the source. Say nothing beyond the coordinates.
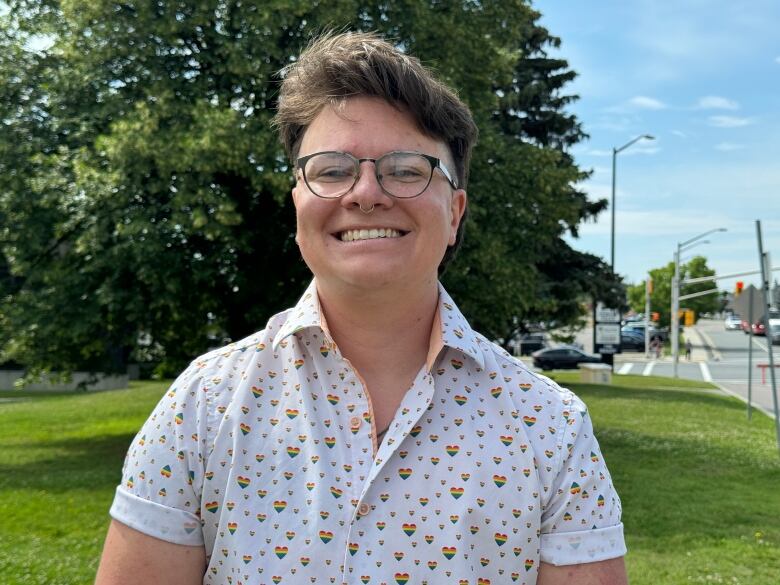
(387, 327)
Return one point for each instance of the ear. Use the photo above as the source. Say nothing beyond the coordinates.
(296, 190)
(457, 209)
(296, 196)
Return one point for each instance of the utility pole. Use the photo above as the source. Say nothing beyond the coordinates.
(765, 272)
(648, 292)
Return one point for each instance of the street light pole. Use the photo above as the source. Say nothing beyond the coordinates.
(676, 293)
(615, 152)
(676, 309)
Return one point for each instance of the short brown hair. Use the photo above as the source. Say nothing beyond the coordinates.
(336, 66)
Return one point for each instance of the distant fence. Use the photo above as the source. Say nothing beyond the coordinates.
(8, 380)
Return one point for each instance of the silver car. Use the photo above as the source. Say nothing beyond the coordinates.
(733, 322)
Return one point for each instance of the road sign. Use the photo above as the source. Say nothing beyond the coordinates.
(742, 304)
(608, 333)
(606, 315)
(607, 338)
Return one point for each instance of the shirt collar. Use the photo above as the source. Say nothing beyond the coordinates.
(305, 314)
(450, 327)
(455, 330)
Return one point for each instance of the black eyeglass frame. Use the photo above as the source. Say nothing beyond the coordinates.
(432, 160)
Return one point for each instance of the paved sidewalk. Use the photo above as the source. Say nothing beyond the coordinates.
(700, 346)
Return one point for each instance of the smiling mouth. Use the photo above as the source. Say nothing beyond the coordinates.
(369, 234)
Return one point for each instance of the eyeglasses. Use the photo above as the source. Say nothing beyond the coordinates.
(404, 175)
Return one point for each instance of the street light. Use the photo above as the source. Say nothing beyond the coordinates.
(681, 246)
(691, 257)
(615, 152)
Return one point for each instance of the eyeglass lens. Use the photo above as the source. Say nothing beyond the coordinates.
(332, 174)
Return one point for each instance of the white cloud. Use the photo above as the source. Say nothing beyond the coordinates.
(646, 103)
(679, 133)
(729, 121)
(728, 146)
(655, 223)
(714, 102)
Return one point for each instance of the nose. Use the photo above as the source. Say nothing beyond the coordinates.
(367, 193)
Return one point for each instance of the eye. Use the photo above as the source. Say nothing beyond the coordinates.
(331, 174)
(406, 168)
(330, 168)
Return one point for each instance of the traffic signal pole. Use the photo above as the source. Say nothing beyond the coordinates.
(676, 294)
(648, 292)
(675, 312)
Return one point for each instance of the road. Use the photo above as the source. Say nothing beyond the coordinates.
(718, 356)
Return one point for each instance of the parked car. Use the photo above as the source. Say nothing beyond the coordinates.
(631, 340)
(733, 322)
(662, 333)
(638, 318)
(529, 343)
(562, 358)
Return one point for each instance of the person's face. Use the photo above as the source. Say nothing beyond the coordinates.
(419, 229)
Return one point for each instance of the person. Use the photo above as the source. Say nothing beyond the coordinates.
(368, 435)
(688, 349)
(657, 346)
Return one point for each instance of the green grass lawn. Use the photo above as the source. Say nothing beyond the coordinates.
(700, 485)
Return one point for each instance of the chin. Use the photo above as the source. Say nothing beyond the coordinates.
(368, 278)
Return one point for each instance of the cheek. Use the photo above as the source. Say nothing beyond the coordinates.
(311, 217)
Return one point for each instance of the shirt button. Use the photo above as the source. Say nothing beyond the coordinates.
(354, 422)
(364, 509)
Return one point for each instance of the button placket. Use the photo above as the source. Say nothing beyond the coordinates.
(416, 402)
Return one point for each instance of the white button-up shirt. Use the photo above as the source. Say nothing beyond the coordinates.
(265, 453)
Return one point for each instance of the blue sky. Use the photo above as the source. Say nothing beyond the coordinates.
(703, 77)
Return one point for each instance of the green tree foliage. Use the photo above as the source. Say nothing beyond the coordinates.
(144, 200)
(661, 298)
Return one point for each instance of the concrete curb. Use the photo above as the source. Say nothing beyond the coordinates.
(743, 399)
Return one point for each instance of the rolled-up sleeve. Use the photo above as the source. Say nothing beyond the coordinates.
(581, 520)
(159, 494)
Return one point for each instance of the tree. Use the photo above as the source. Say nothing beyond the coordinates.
(661, 298)
(709, 303)
(144, 199)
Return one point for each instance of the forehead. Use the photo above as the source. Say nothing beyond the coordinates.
(367, 127)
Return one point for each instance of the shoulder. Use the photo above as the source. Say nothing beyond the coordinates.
(242, 352)
(519, 378)
(214, 376)
(550, 416)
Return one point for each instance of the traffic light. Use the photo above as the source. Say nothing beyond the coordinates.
(738, 290)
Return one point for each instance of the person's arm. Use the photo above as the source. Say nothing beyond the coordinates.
(131, 557)
(609, 572)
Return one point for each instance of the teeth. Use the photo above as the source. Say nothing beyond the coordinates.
(372, 234)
